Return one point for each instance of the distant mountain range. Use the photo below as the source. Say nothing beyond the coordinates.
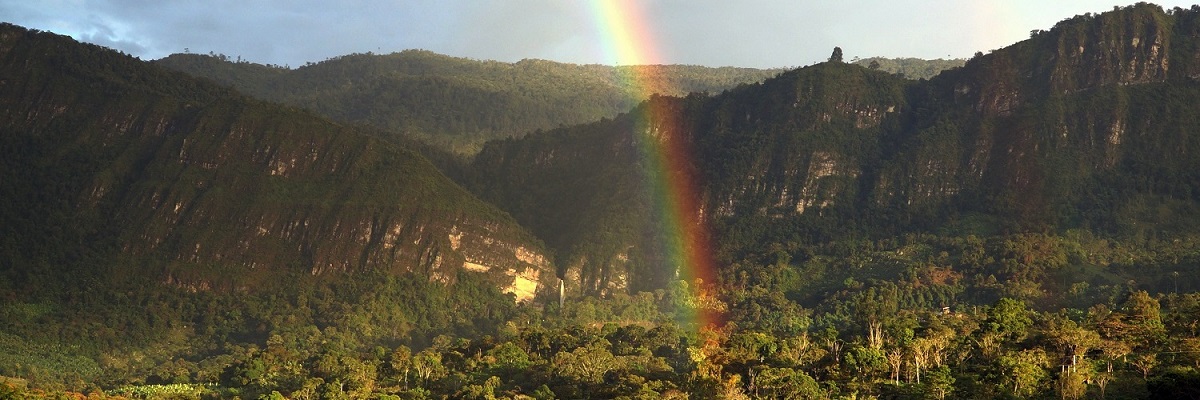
(457, 103)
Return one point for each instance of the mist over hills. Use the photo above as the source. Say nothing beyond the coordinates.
(961, 235)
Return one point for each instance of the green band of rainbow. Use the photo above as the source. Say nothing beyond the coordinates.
(666, 152)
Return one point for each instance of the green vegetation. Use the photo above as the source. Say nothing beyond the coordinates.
(911, 68)
(454, 103)
(131, 169)
(1015, 141)
(1019, 227)
(923, 315)
(149, 219)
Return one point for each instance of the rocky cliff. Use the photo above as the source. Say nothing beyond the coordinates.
(154, 172)
(1087, 125)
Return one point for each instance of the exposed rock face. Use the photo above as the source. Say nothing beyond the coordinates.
(208, 187)
(1028, 135)
(1019, 123)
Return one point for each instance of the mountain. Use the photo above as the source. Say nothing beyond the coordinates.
(458, 103)
(117, 164)
(1018, 227)
(1085, 126)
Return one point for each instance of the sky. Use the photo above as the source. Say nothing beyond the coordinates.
(743, 33)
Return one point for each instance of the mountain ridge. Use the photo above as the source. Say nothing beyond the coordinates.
(1020, 227)
(458, 103)
(1031, 137)
(287, 188)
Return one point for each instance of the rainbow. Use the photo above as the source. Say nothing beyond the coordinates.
(672, 181)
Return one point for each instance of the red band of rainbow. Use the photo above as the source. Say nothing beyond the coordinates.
(672, 180)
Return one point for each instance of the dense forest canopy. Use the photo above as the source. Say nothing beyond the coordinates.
(457, 104)
(1020, 226)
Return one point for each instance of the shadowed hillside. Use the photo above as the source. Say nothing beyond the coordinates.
(1084, 126)
(455, 103)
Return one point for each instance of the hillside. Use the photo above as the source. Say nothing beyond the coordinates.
(1081, 127)
(457, 103)
(1019, 227)
(164, 160)
(117, 175)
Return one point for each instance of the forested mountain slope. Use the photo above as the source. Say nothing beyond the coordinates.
(1089, 125)
(458, 103)
(1019, 227)
(106, 158)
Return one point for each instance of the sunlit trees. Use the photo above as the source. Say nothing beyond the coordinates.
(584, 364)
(786, 383)
(401, 362)
(1069, 338)
(428, 366)
(1024, 372)
(1144, 319)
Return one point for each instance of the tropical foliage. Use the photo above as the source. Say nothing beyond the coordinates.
(1019, 227)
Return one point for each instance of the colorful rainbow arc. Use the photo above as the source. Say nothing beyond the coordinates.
(627, 40)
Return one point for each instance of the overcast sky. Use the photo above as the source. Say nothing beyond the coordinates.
(748, 33)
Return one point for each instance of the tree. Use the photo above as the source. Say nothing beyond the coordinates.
(750, 347)
(1073, 382)
(1071, 338)
(428, 365)
(1009, 318)
(1024, 371)
(837, 55)
(585, 364)
(940, 381)
(482, 392)
(799, 350)
(1144, 363)
(866, 362)
(829, 338)
(509, 359)
(920, 352)
(401, 361)
(895, 360)
(1113, 350)
(786, 383)
(874, 307)
(345, 374)
(1145, 319)
(1103, 376)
